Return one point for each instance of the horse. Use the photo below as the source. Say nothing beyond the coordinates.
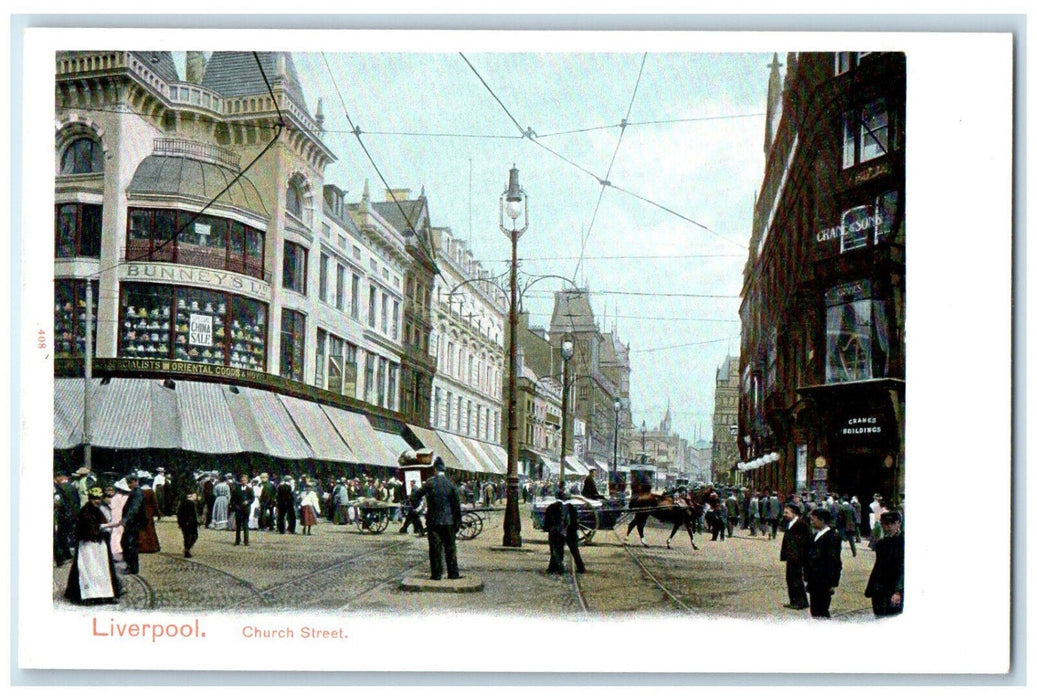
(668, 508)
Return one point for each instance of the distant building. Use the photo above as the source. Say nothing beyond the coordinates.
(725, 455)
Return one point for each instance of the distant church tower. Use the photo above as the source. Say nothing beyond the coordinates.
(773, 104)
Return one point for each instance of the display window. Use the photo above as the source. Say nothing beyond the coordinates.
(70, 318)
(168, 235)
(192, 325)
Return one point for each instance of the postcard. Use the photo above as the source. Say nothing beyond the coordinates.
(514, 351)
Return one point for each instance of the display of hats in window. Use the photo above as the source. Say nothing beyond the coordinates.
(181, 304)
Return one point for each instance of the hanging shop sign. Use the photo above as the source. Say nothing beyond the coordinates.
(198, 277)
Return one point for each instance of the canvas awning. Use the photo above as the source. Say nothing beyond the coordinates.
(317, 430)
(264, 425)
(125, 414)
(206, 424)
(469, 461)
(489, 458)
(393, 443)
(431, 440)
(360, 437)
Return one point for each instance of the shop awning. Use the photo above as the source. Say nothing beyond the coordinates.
(575, 465)
(264, 425)
(393, 443)
(498, 454)
(317, 430)
(431, 440)
(360, 437)
(477, 449)
(469, 460)
(68, 413)
(206, 424)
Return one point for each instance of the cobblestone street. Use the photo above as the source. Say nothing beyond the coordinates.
(341, 569)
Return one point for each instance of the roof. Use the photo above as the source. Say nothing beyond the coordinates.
(161, 62)
(177, 175)
(728, 368)
(391, 213)
(235, 74)
(572, 312)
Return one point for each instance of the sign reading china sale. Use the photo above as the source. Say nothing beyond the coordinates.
(201, 330)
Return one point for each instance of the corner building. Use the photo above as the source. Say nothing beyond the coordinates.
(822, 359)
(246, 316)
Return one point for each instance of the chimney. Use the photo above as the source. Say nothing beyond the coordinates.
(400, 194)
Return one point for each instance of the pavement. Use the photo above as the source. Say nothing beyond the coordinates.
(340, 568)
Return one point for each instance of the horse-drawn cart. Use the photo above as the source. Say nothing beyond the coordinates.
(592, 515)
(372, 516)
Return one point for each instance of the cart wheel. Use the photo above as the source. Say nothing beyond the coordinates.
(379, 520)
(587, 524)
(471, 526)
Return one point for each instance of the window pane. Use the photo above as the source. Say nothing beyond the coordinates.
(293, 328)
(146, 329)
(856, 228)
(90, 231)
(885, 214)
(248, 334)
(849, 342)
(849, 141)
(323, 289)
(340, 289)
(318, 377)
(65, 233)
(201, 326)
(874, 131)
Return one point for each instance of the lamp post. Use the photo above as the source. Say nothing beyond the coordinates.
(567, 354)
(513, 201)
(616, 406)
(644, 454)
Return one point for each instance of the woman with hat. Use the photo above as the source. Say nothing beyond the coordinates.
(309, 507)
(92, 579)
(121, 495)
(221, 504)
(149, 543)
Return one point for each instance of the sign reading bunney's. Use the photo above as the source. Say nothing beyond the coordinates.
(198, 277)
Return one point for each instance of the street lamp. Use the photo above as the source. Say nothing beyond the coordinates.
(567, 354)
(644, 453)
(615, 445)
(513, 202)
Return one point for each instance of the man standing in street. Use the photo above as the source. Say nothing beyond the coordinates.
(590, 488)
(267, 499)
(847, 526)
(556, 524)
(66, 508)
(886, 583)
(794, 547)
(241, 497)
(442, 521)
(824, 563)
(773, 515)
(732, 512)
(187, 521)
(133, 520)
(286, 504)
(753, 513)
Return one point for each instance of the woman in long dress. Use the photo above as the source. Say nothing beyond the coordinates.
(221, 505)
(309, 509)
(148, 536)
(253, 513)
(92, 579)
(122, 494)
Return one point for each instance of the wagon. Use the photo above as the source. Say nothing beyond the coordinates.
(592, 515)
(373, 516)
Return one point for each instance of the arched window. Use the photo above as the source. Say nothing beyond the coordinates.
(83, 155)
(294, 196)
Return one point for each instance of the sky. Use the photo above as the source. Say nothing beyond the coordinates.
(452, 123)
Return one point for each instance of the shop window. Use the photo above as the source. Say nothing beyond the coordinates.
(293, 271)
(293, 340)
(77, 230)
(866, 134)
(82, 156)
(70, 318)
(857, 331)
(202, 241)
(213, 328)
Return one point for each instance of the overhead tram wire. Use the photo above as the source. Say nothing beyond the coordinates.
(608, 172)
(532, 136)
(176, 234)
(651, 123)
(356, 132)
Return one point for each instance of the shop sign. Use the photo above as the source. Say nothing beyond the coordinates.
(870, 173)
(857, 426)
(198, 277)
(181, 367)
(201, 330)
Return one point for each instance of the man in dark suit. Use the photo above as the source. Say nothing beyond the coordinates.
(133, 517)
(442, 521)
(886, 583)
(241, 497)
(590, 488)
(556, 524)
(286, 505)
(794, 547)
(824, 562)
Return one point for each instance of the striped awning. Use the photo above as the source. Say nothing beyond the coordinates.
(393, 443)
(126, 414)
(317, 430)
(360, 437)
(68, 413)
(206, 421)
(431, 440)
(469, 461)
(490, 458)
(264, 425)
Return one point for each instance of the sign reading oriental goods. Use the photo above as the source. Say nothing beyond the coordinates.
(197, 277)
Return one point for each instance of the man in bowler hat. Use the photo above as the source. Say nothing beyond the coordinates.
(794, 547)
(886, 583)
(442, 521)
(133, 521)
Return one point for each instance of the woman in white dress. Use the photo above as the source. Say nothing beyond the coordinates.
(122, 494)
(253, 513)
(92, 579)
(221, 506)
